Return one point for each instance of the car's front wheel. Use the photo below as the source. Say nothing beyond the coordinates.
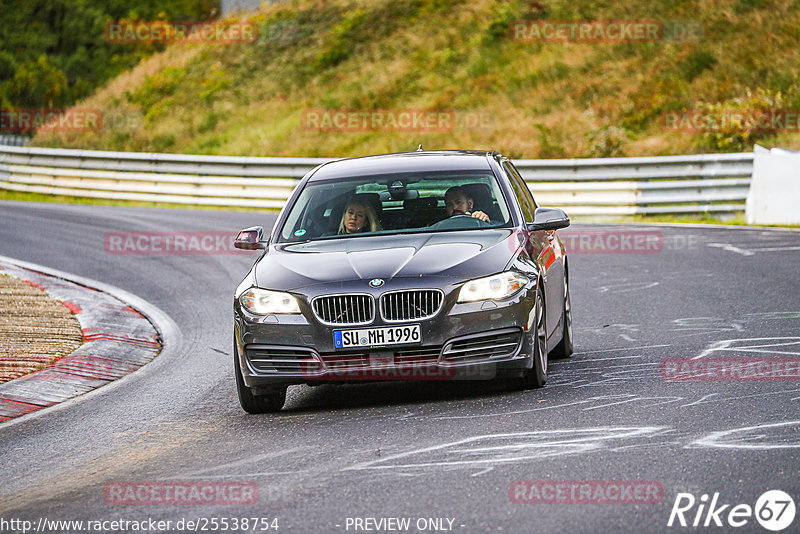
(270, 402)
(536, 376)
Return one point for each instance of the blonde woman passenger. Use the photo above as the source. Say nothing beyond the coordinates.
(359, 217)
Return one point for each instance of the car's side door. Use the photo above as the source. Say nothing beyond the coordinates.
(547, 253)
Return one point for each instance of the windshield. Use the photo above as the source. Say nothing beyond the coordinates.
(396, 203)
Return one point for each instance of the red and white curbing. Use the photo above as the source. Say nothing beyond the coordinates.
(117, 341)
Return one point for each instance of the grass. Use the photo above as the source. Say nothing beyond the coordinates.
(706, 218)
(541, 99)
(21, 196)
(526, 100)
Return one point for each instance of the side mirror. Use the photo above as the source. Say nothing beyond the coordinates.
(548, 219)
(250, 239)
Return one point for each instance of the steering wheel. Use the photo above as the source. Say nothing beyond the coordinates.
(464, 222)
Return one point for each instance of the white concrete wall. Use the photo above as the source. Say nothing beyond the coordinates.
(774, 196)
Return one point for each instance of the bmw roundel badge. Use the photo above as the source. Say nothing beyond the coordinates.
(376, 282)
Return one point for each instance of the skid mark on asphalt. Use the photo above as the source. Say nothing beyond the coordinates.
(688, 327)
(604, 374)
(259, 461)
(715, 397)
(493, 449)
(653, 445)
(574, 374)
(613, 358)
(614, 350)
(626, 287)
(482, 472)
(486, 452)
(623, 331)
(774, 316)
(586, 404)
(784, 435)
(648, 402)
(789, 346)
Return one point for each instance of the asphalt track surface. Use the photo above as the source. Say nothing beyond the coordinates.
(425, 450)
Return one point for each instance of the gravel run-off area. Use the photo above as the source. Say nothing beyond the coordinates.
(35, 329)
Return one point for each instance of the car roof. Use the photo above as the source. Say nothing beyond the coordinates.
(442, 160)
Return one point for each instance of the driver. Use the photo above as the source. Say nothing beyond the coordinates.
(458, 202)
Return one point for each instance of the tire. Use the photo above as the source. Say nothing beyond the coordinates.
(564, 348)
(271, 402)
(536, 376)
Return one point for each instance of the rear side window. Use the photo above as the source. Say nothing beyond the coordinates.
(525, 188)
(521, 192)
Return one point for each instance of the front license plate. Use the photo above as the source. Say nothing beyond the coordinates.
(385, 335)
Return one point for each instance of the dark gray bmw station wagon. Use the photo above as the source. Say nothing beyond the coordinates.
(412, 266)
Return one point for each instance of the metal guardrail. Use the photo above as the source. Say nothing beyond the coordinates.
(701, 183)
(599, 187)
(14, 140)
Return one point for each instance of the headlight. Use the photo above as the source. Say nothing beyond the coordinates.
(263, 302)
(497, 287)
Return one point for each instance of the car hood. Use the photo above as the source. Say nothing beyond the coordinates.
(463, 254)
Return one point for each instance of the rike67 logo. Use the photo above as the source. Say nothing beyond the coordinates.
(774, 510)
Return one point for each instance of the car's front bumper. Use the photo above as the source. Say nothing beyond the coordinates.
(464, 341)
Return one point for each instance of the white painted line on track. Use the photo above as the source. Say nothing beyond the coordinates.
(621, 348)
